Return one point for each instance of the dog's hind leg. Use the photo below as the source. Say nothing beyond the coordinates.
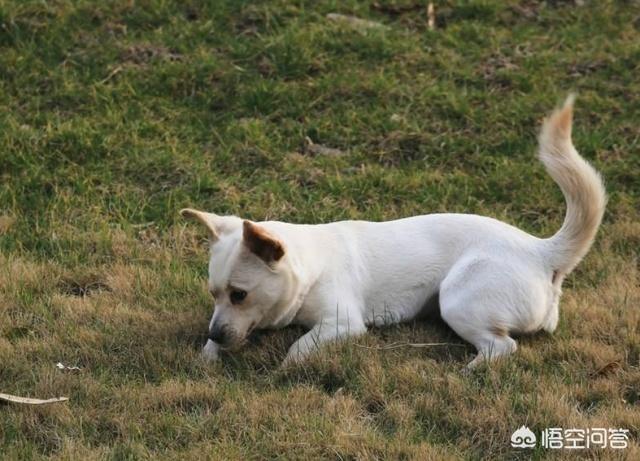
(482, 301)
(491, 342)
(492, 347)
(550, 322)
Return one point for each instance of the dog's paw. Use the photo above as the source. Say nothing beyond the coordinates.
(296, 355)
(210, 351)
(291, 360)
(286, 363)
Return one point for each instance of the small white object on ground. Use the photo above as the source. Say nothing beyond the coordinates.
(63, 367)
(210, 351)
(431, 16)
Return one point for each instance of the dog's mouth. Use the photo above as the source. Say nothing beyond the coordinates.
(238, 341)
(231, 347)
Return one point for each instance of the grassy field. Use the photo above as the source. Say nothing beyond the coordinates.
(117, 114)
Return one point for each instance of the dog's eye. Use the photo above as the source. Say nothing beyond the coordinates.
(237, 296)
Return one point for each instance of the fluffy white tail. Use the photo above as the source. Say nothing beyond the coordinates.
(581, 185)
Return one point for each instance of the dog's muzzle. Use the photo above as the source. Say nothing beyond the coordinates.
(220, 334)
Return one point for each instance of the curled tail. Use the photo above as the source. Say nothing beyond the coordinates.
(581, 185)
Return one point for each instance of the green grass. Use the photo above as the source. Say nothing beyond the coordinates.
(117, 114)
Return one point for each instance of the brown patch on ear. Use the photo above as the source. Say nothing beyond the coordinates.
(261, 243)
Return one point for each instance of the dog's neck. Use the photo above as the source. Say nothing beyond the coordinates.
(304, 275)
(294, 301)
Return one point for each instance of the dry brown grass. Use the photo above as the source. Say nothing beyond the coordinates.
(144, 391)
(117, 114)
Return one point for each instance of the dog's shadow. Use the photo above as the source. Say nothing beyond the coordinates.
(427, 337)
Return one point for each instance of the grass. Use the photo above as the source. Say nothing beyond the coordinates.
(117, 114)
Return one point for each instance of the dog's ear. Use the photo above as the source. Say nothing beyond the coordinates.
(209, 220)
(261, 243)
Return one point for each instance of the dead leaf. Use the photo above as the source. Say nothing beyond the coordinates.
(5, 223)
(607, 369)
(143, 53)
(8, 398)
(528, 9)
(83, 285)
(355, 22)
(317, 149)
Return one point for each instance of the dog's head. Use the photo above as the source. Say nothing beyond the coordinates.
(250, 277)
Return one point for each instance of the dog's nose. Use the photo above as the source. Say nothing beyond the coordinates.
(218, 334)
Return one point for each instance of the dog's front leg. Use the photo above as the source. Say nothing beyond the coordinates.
(322, 333)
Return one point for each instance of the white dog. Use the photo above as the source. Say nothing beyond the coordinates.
(491, 278)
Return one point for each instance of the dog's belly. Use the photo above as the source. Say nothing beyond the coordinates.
(403, 307)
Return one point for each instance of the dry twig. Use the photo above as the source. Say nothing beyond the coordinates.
(398, 345)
